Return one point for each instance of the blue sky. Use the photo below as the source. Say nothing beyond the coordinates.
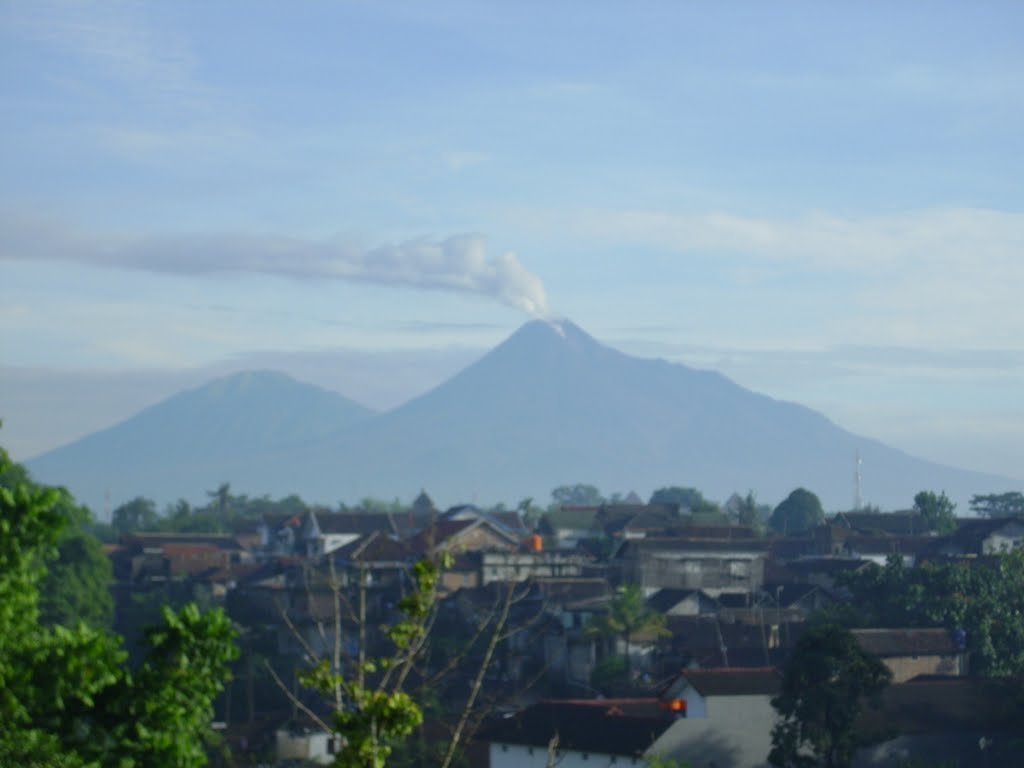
(821, 200)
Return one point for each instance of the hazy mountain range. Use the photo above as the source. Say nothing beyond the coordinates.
(549, 406)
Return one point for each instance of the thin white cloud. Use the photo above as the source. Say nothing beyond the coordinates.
(823, 241)
(917, 278)
(459, 159)
(459, 263)
(119, 39)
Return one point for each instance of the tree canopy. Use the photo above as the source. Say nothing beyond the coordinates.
(822, 690)
(139, 514)
(983, 600)
(798, 512)
(627, 616)
(685, 498)
(1010, 504)
(66, 697)
(579, 495)
(936, 510)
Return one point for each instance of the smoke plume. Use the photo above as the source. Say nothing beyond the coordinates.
(459, 263)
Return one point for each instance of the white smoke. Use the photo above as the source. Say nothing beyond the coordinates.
(459, 263)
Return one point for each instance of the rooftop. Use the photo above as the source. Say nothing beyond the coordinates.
(905, 642)
(751, 681)
(625, 727)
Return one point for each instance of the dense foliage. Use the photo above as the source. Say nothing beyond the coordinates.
(223, 512)
(823, 688)
(797, 513)
(372, 712)
(1010, 504)
(66, 697)
(982, 599)
(628, 616)
(936, 510)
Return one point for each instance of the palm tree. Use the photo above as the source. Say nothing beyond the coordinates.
(628, 614)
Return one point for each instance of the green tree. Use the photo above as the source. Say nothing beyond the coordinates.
(748, 512)
(371, 710)
(1010, 504)
(76, 584)
(165, 712)
(936, 510)
(76, 587)
(824, 685)
(66, 697)
(579, 495)
(529, 512)
(611, 677)
(139, 514)
(221, 499)
(982, 600)
(628, 615)
(799, 512)
(686, 498)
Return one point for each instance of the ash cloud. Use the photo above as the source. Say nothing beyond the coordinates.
(459, 263)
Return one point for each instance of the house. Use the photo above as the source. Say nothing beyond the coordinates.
(909, 653)
(162, 556)
(795, 602)
(637, 521)
(713, 565)
(324, 531)
(570, 651)
(520, 566)
(727, 717)
(569, 525)
(902, 523)
(508, 520)
(983, 536)
(577, 733)
(280, 533)
(964, 721)
(682, 602)
(456, 536)
(566, 527)
(711, 642)
(773, 603)
(835, 539)
(305, 745)
(818, 571)
(382, 559)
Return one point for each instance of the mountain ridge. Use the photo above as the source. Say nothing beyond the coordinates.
(549, 405)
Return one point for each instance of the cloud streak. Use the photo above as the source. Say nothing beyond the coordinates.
(459, 263)
(864, 244)
(925, 277)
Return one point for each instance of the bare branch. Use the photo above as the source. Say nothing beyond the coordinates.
(306, 647)
(456, 739)
(295, 699)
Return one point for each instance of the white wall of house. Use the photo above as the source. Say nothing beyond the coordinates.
(735, 731)
(696, 706)
(1004, 539)
(516, 756)
(519, 566)
(311, 746)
